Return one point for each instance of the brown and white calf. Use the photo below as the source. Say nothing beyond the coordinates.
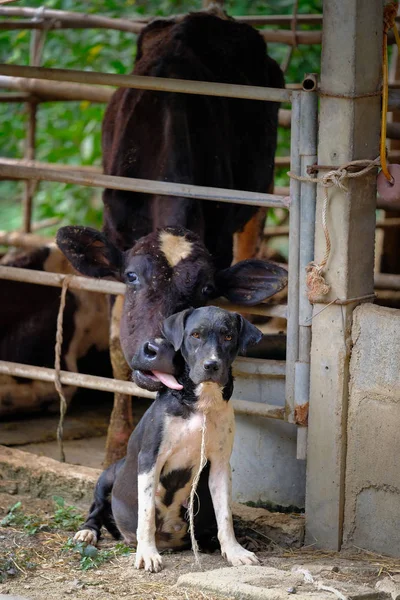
(165, 272)
(28, 319)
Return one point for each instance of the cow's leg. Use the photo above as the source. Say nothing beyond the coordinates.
(121, 422)
(247, 243)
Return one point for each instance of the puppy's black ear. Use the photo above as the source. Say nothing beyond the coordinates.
(174, 327)
(249, 335)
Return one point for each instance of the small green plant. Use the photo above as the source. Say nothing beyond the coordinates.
(91, 557)
(65, 517)
(17, 518)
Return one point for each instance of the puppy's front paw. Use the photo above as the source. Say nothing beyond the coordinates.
(87, 536)
(237, 555)
(148, 558)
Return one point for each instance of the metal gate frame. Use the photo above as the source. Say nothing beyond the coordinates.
(301, 229)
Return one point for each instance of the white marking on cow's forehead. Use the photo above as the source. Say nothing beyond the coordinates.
(174, 247)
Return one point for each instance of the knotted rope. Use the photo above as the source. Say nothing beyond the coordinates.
(316, 283)
(57, 366)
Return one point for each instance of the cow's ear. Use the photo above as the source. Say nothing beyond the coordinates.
(89, 251)
(174, 328)
(251, 281)
(249, 335)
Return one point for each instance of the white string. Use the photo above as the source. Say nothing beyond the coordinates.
(203, 462)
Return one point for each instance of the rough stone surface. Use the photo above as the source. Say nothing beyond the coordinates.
(372, 474)
(391, 586)
(42, 477)
(8, 597)
(268, 583)
(284, 529)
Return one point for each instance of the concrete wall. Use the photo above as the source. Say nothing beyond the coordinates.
(264, 463)
(372, 498)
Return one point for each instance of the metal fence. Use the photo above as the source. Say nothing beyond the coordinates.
(301, 229)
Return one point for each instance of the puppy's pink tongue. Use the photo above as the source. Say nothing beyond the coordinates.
(168, 380)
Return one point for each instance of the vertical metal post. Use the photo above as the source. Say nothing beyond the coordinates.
(294, 245)
(308, 194)
(349, 129)
(29, 154)
(37, 41)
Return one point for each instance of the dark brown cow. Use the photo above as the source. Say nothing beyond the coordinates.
(184, 138)
(189, 139)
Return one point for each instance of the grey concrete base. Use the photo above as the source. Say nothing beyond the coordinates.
(268, 583)
(372, 495)
(264, 463)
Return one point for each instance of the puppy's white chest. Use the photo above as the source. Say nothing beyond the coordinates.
(181, 444)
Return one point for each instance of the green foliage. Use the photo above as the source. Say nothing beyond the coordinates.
(69, 132)
(18, 519)
(65, 517)
(91, 557)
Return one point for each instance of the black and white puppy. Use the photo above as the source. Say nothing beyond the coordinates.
(150, 487)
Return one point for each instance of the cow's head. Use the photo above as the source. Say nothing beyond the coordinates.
(165, 272)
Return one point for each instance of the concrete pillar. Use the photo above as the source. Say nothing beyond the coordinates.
(349, 130)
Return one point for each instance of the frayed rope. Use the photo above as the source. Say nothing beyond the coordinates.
(203, 462)
(315, 272)
(57, 366)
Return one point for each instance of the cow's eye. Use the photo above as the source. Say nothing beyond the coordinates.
(132, 278)
(195, 334)
(208, 290)
(228, 338)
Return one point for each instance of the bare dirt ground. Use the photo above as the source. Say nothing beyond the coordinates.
(43, 565)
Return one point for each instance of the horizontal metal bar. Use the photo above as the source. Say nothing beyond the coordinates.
(141, 82)
(134, 25)
(104, 286)
(39, 91)
(15, 96)
(81, 21)
(57, 18)
(267, 310)
(23, 240)
(94, 382)
(77, 282)
(258, 409)
(146, 186)
(249, 367)
(301, 19)
(387, 281)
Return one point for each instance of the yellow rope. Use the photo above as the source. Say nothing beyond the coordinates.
(389, 16)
